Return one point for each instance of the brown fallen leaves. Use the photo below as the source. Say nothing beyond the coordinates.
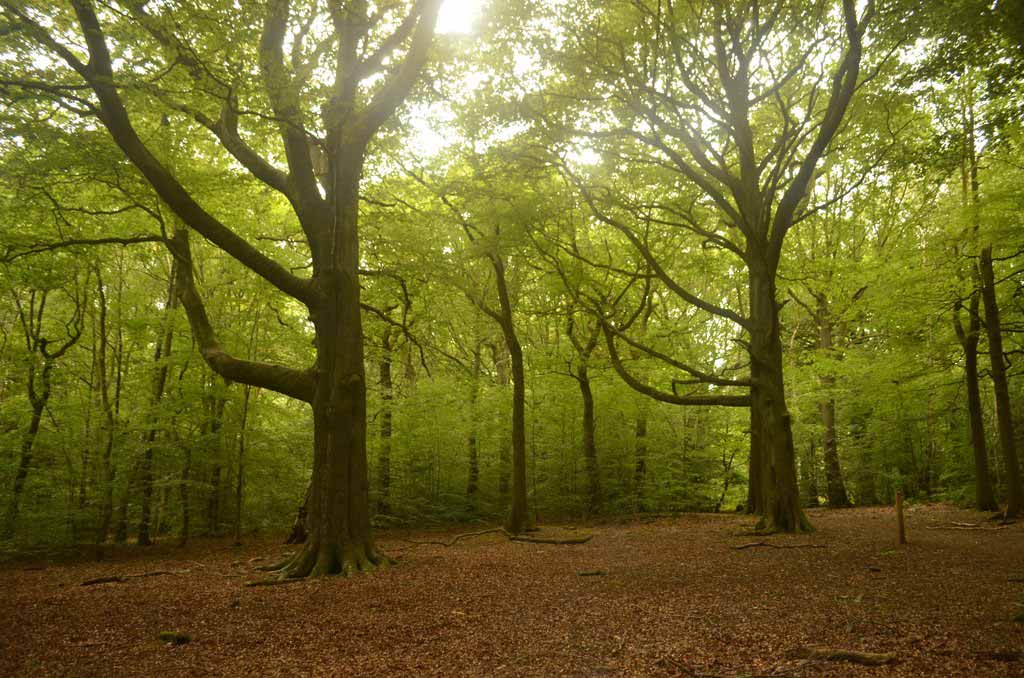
(674, 598)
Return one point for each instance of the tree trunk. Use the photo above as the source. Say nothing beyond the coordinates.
(186, 513)
(121, 528)
(771, 427)
(518, 520)
(339, 539)
(809, 474)
(984, 496)
(25, 458)
(240, 478)
(161, 353)
(1004, 415)
(384, 459)
(472, 441)
(103, 386)
(216, 423)
(589, 445)
(836, 489)
(640, 460)
(504, 378)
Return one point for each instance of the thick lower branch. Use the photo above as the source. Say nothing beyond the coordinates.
(299, 384)
(671, 398)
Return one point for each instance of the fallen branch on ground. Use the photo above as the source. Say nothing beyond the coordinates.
(754, 544)
(966, 526)
(502, 531)
(832, 654)
(121, 578)
(543, 540)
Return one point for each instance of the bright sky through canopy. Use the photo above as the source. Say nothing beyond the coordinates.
(457, 16)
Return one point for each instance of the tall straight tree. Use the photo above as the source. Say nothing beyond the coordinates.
(734, 105)
(295, 93)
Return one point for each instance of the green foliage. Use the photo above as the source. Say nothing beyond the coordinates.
(881, 256)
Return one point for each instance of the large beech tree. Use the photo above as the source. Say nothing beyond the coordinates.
(735, 105)
(295, 92)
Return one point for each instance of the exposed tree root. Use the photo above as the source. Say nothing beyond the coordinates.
(502, 531)
(754, 544)
(766, 527)
(272, 582)
(316, 560)
(831, 654)
(121, 578)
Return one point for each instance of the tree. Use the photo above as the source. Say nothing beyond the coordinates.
(289, 46)
(1004, 413)
(725, 99)
(42, 356)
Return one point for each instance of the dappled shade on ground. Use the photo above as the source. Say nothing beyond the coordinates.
(668, 597)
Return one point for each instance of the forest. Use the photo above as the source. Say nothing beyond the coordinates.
(523, 307)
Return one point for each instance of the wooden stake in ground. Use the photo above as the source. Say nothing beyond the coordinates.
(899, 517)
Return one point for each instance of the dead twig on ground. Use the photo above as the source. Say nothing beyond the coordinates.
(121, 578)
(502, 531)
(967, 526)
(833, 654)
(755, 544)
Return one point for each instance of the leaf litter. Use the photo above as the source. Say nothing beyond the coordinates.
(675, 596)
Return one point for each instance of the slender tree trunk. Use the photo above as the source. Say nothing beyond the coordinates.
(518, 520)
(1004, 414)
(121, 359)
(770, 417)
(103, 386)
(186, 513)
(161, 354)
(121, 528)
(810, 473)
(640, 460)
(240, 478)
(836, 488)
(472, 441)
(384, 459)
(589, 445)
(87, 438)
(504, 379)
(985, 498)
(216, 424)
(28, 440)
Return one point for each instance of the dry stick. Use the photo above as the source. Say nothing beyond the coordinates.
(501, 530)
(965, 527)
(832, 654)
(544, 540)
(121, 578)
(778, 546)
(458, 538)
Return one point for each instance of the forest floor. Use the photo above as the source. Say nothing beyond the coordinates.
(669, 596)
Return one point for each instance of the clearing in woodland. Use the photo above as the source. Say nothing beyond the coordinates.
(690, 595)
